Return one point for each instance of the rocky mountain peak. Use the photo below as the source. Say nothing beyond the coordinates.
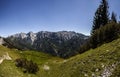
(19, 35)
(62, 43)
(31, 37)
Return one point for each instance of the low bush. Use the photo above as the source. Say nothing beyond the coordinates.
(27, 66)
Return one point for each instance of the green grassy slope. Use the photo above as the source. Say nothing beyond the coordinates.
(8, 68)
(102, 61)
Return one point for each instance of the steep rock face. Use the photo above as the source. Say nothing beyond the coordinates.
(62, 43)
(1, 41)
(28, 38)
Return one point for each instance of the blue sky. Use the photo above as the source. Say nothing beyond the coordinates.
(49, 15)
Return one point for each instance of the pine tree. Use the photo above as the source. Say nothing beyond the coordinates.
(113, 17)
(101, 16)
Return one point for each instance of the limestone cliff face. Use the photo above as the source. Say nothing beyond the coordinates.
(1, 41)
(62, 43)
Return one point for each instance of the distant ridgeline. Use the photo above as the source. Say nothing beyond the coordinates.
(63, 43)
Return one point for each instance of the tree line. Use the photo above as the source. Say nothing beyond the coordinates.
(104, 29)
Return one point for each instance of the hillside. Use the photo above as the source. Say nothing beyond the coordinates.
(103, 61)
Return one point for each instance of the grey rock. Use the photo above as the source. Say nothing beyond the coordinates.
(62, 43)
(1, 41)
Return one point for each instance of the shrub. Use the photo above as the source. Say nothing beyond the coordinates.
(27, 66)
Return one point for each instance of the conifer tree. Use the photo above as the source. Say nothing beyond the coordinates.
(101, 16)
(113, 17)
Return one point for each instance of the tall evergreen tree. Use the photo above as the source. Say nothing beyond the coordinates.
(113, 17)
(101, 16)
